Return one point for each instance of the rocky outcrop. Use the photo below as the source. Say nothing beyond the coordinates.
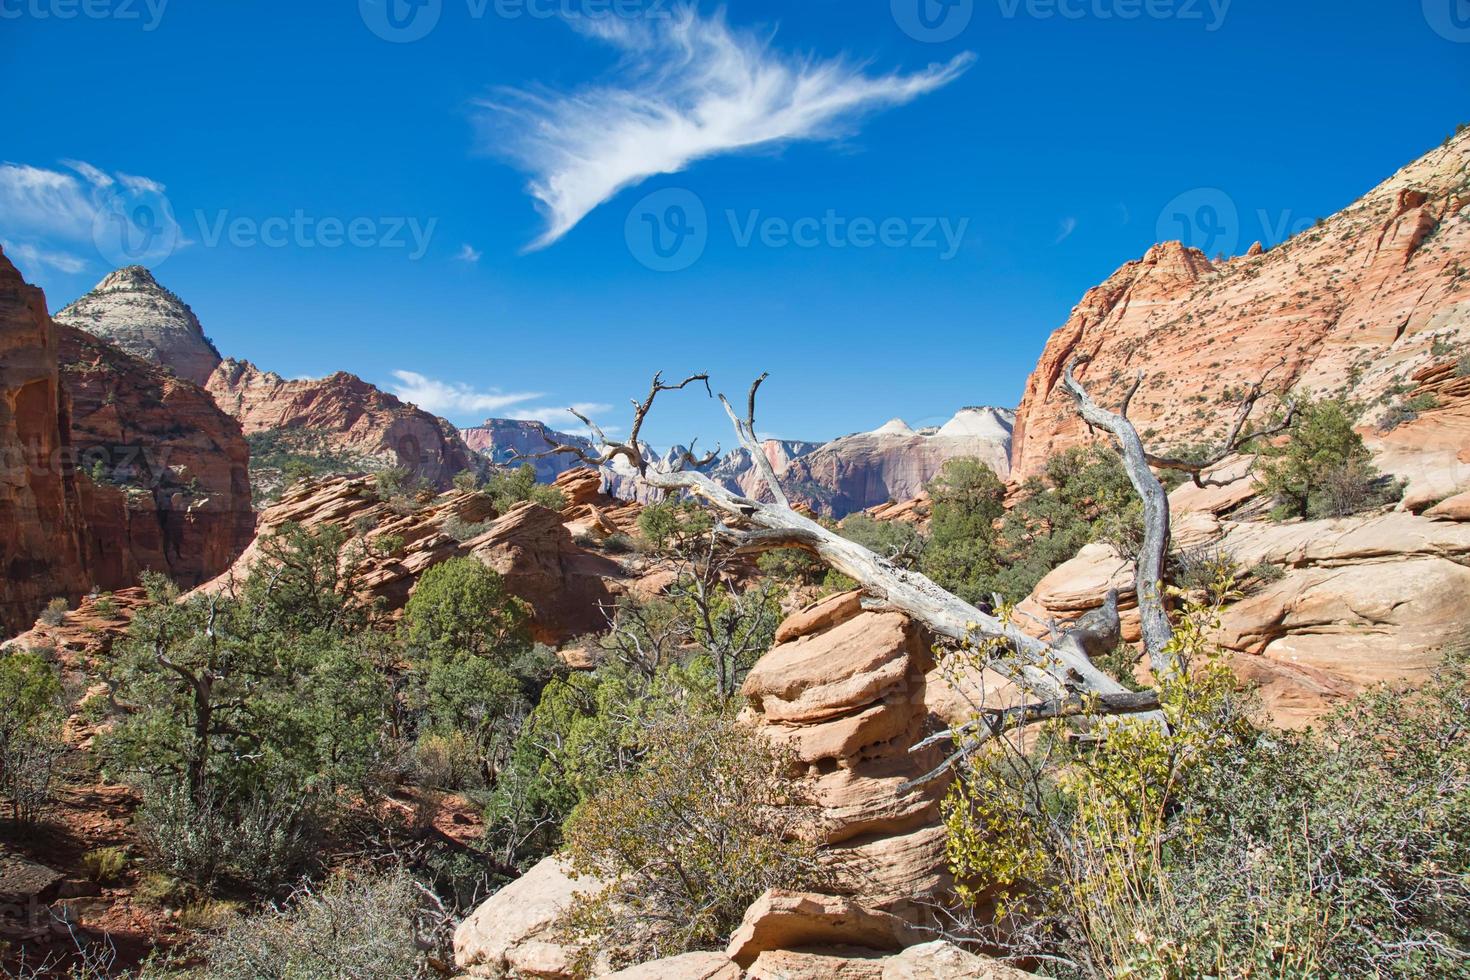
(566, 586)
(894, 462)
(350, 425)
(587, 510)
(844, 691)
(786, 920)
(83, 635)
(1354, 306)
(514, 930)
(1430, 452)
(167, 485)
(131, 311)
(1332, 606)
(41, 527)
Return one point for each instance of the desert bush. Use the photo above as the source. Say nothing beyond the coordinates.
(461, 530)
(1323, 469)
(507, 487)
(1213, 849)
(55, 612)
(1204, 569)
(1267, 572)
(30, 731)
(105, 864)
(356, 926)
(893, 540)
(685, 857)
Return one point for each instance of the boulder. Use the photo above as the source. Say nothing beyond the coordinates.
(514, 929)
(782, 919)
(686, 966)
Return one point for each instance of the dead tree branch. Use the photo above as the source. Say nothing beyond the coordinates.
(1053, 670)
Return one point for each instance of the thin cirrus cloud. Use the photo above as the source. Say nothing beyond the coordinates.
(49, 213)
(457, 400)
(687, 87)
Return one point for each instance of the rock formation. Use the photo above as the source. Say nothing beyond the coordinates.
(41, 528)
(565, 585)
(130, 310)
(501, 441)
(1354, 306)
(342, 420)
(1333, 606)
(167, 485)
(845, 691)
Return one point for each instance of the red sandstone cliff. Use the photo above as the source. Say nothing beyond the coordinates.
(1354, 306)
(345, 417)
(40, 506)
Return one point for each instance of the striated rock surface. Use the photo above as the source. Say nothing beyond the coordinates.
(845, 692)
(41, 527)
(130, 310)
(1355, 306)
(167, 485)
(587, 510)
(342, 419)
(1357, 600)
(894, 462)
(528, 545)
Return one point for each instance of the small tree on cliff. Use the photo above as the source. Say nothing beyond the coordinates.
(1322, 469)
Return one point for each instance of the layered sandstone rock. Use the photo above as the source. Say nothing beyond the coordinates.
(1355, 306)
(844, 690)
(167, 485)
(1354, 600)
(130, 310)
(41, 527)
(566, 586)
(587, 510)
(344, 420)
(86, 633)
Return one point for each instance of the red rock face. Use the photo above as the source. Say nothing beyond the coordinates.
(1354, 306)
(40, 506)
(346, 416)
(172, 487)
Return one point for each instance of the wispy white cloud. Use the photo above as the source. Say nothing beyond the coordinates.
(454, 398)
(687, 87)
(468, 254)
(30, 257)
(50, 213)
(1065, 227)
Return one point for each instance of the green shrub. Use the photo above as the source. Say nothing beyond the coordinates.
(31, 716)
(894, 540)
(105, 864)
(1323, 469)
(357, 925)
(509, 487)
(686, 856)
(55, 612)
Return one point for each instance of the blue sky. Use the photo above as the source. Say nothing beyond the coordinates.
(896, 211)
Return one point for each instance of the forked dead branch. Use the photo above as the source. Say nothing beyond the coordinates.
(1059, 671)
